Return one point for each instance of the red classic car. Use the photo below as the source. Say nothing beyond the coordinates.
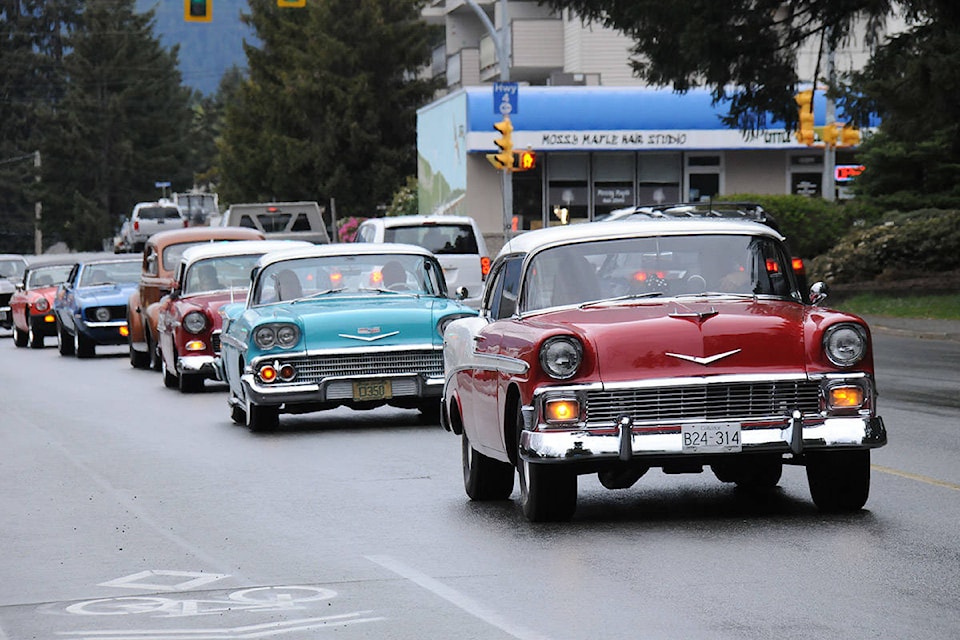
(678, 343)
(31, 305)
(161, 256)
(189, 321)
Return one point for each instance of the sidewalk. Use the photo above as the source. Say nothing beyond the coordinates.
(916, 327)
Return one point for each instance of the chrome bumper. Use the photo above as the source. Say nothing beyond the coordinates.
(337, 390)
(199, 365)
(791, 437)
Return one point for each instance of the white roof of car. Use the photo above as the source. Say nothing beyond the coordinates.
(343, 249)
(534, 240)
(408, 221)
(239, 248)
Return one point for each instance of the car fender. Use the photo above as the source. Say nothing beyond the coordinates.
(135, 320)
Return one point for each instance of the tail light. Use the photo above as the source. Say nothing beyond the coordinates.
(484, 266)
(773, 266)
(797, 265)
(136, 225)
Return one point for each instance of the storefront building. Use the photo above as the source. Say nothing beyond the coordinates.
(603, 148)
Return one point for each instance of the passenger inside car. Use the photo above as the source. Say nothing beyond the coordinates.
(394, 276)
(288, 286)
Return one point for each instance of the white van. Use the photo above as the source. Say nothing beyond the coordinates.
(455, 240)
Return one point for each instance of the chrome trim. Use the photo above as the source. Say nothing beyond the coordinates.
(699, 380)
(240, 345)
(205, 365)
(355, 350)
(100, 325)
(368, 338)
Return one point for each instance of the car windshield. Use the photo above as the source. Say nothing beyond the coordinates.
(656, 266)
(218, 274)
(372, 274)
(12, 269)
(127, 271)
(437, 238)
(158, 213)
(48, 276)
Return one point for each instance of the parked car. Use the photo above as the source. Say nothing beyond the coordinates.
(614, 347)
(280, 220)
(161, 257)
(12, 267)
(31, 305)
(455, 240)
(91, 304)
(149, 218)
(189, 320)
(343, 324)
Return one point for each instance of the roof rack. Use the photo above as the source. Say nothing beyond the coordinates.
(712, 209)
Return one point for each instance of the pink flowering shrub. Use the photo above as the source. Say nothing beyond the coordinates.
(347, 229)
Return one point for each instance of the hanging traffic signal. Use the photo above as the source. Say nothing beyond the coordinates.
(291, 3)
(504, 159)
(804, 101)
(829, 134)
(198, 10)
(849, 136)
(526, 160)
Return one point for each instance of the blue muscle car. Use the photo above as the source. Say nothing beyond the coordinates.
(359, 325)
(91, 305)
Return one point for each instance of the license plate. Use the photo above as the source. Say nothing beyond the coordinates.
(372, 390)
(717, 437)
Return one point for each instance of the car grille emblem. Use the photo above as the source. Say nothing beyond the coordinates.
(368, 338)
(704, 361)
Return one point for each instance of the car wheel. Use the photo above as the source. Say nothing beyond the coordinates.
(261, 418)
(483, 477)
(20, 338)
(152, 352)
(138, 360)
(548, 493)
(84, 346)
(64, 341)
(839, 480)
(190, 383)
(237, 414)
(35, 338)
(170, 380)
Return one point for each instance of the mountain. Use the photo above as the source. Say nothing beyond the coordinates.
(207, 49)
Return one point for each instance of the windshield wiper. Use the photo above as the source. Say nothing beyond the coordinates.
(318, 294)
(714, 294)
(397, 293)
(629, 296)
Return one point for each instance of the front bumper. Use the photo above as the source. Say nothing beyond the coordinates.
(113, 332)
(339, 390)
(205, 366)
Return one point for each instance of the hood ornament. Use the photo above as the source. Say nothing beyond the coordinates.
(704, 361)
(698, 315)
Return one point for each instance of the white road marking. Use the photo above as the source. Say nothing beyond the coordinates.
(457, 599)
(133, 581)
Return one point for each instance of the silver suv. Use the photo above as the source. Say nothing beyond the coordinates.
(455, 240)
(150, 217)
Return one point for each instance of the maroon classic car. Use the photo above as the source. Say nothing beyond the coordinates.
(671, 342)
(189, 321)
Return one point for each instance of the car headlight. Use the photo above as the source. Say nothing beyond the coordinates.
(195, 321)
(41, 305)
(446, 320)
(560, 356)
(845, 344)
(271, 335)
(102, 314)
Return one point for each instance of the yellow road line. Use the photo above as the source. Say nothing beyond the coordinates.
(914, 476)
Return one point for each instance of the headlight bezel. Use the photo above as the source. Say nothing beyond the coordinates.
(41, 305)
(554, 349)
(101, 314)
(845, 336)
(268, 336)
(195, 322)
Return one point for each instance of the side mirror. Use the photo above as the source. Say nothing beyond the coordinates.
(818, 292)
(462, 293)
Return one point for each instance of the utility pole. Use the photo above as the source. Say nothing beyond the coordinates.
(501, 41)
(828, 186)
(37, 209)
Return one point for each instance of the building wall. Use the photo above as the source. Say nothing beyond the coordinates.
(590, 48)
(755, 172)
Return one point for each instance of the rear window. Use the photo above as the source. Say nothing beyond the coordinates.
(159, 213)
(439, 238)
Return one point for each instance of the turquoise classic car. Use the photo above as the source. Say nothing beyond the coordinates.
(357, 325)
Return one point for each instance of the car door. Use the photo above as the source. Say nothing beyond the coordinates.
(64, 301)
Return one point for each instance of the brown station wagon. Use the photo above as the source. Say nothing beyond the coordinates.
(161, 255)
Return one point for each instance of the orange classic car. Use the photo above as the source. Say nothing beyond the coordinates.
(161, 257)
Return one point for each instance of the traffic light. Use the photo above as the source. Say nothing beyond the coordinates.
(804, 101)
(504, 159)
(829, 134)
(526, 160)
(291, 3)
(849, 136)
(198, 10)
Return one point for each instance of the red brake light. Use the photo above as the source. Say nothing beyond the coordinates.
(797, 265)
(336, 278)
(484, 266)
(773, 266)
(376, 277)
(136, 225)
(640, 276)
(273, 209)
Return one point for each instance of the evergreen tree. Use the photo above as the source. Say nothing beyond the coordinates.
(329, 110)
(123, 124)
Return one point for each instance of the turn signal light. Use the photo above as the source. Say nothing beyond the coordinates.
(196, 345)
(267, 373)
(846, 397)
(562, 411)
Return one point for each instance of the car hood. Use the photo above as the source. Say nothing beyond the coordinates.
(363, 322)
(681, 338)
(105, 294)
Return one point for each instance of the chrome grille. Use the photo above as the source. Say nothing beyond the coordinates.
(316, 368)
(215, 341)
(117, 312)
(725, 401)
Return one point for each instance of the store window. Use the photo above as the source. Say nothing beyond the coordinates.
(806, 175)
(659, 178)
(528, 198)
(568, 195)
(613, 186)
(704, 174)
